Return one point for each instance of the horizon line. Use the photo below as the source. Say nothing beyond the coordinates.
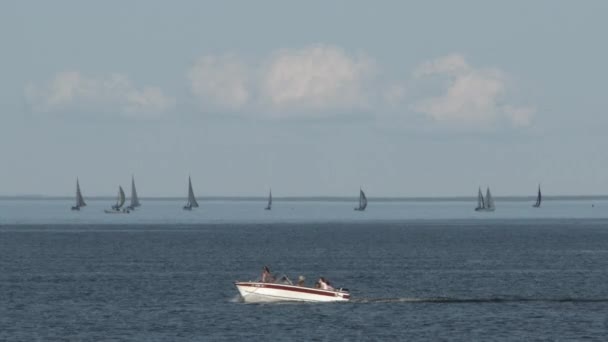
(316, 198)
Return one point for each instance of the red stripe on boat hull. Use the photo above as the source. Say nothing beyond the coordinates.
(296, 289)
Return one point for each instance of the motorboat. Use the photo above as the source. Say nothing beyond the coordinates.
(261, 292)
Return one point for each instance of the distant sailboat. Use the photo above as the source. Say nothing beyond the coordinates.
(191, 199)
(485, 204)
(362, 201)
(79, 199)
(539, 198)
(269, 206)
(134, 199)
(120, 201)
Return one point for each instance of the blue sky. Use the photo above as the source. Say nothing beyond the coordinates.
(429, 98)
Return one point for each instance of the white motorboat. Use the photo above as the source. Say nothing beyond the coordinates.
(259, 292)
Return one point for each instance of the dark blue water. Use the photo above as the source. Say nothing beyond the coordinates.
(464, 280)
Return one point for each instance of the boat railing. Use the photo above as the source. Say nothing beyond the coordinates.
(283, 279)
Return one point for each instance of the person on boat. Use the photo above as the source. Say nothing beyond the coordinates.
(324, 284)
(301, 280)
(266, 275)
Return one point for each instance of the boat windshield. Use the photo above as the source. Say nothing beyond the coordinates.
(279, 278)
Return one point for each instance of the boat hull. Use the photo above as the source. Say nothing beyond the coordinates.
(484, 209)
(116, 211)
(256, 292)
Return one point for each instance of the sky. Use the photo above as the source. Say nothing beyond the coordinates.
(309, 98)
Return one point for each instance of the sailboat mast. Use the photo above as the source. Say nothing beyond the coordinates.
(77, 193)
(191, 198)
(538, 198)
(79, 199)
(134, 198)
(269, 206)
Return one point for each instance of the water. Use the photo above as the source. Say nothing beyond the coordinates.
(84, 276)
(235, 211)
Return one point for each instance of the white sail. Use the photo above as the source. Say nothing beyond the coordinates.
(362, 200)
(191, 199)
(120, 201)
(79, 199)
(134, 199)
(489, 200)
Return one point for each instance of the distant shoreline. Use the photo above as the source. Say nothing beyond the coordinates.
(321, 198)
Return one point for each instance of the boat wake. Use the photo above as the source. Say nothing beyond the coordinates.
(236, 299)
(448, 300)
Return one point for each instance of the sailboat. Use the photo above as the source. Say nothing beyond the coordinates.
(539, 198)
(362, 201)
(134, 199)
(191, 199)
(269, 206)
(485, 204)
(79, 199)
(120, 201)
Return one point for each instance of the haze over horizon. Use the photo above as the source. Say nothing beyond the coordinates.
(431, 99)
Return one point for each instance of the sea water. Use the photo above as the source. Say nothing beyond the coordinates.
(416, 271)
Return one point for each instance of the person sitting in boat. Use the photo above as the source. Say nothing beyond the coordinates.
(266, 275)
(301, 280)
(324, 284)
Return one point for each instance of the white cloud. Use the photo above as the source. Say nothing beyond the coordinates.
(71, 91)
(220, 82)
(316, 78)
(469, 95)
(311, 80)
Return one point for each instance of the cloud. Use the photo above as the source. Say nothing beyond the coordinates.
(310, 80)
(220, 82)
(316, 78)
(114, 93)
(468, 95)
